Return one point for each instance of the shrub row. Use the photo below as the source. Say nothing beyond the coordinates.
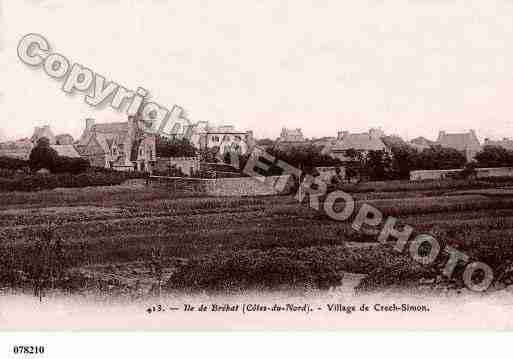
(12, 163)
(36, 182)
(397, 186)
(255, 269)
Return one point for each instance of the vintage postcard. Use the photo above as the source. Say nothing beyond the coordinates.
(255, 165)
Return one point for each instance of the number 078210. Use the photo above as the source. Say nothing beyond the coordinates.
(28, 349)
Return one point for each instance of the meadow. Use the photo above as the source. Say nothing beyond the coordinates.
(135, 240)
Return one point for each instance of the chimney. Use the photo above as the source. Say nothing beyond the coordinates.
(376, 133)
(342, 134)
(89, 124)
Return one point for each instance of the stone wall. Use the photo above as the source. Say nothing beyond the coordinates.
(249, 186)
(20, 153)
(327, 173)
(494, 172)
(188, 165)
(442, 174)
(182, 184)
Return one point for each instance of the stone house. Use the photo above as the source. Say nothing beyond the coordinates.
(505, 143)
(421, 143)
(43, 131)
(291, 135)
(66, 151)
(118, 145)
(21, 148)
(468, 143)
(291, 138)
(17, 149)
(362, 143)
(64, 139)
(227, 138)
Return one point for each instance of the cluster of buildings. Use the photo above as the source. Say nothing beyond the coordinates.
(123, 146)
(372, 140)
(21, 148)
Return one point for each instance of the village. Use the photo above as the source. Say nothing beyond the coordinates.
(122, 146)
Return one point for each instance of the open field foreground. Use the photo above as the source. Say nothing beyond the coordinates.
(137, 242)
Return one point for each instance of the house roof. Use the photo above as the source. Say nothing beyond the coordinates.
(291, 135)
(421, 143)
(117, 131)
(66, 150)
(359, 142)
(458, 141)
(43, 131)
(111, 127)
(105, 140)
(64, 139)
(504, 143)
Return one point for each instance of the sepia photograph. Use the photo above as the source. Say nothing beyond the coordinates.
(255, 166)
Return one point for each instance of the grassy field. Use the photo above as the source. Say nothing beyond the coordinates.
(135, 240)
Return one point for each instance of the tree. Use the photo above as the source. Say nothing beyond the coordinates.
(377, 165)
(265, 142)
(70, 165)
(305, 158)
(438, 158)
(43, 156)
(173, 147)
(469, 171)
(494, 156)
(403, 160)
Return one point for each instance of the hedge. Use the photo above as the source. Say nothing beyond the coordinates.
(403, 185)
(93, 177)
(12, 163)
(277, 268)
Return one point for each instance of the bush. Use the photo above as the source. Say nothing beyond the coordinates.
(70, 165)
(171, 172)
(401, 185)
(12, 163)
(42, 156)
(93, 177)
(172, 147)
(256, 269)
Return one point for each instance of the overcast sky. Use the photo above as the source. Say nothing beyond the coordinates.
(411, 67)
